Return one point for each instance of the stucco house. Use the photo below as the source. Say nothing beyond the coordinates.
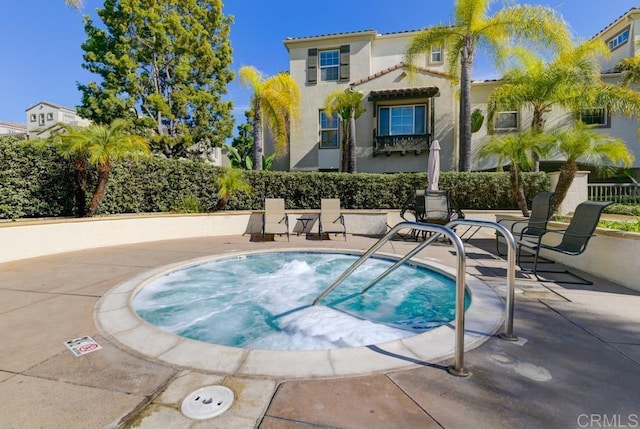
(13, 129)
(406, 111)
(44, 118)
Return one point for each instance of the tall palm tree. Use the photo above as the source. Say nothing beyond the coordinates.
(102, 144)
(348, 105)
(473, 28)
(276, 104)
(517, 150)
(584, 145)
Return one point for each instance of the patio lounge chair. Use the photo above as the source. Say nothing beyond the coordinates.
(537, 222)
(274, 218)
(573, 240)
(431, 207)
(331, 219)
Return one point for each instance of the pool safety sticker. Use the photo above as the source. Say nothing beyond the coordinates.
(83, 345)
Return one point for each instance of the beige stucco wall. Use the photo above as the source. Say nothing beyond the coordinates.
(611, 254)
(372, 56)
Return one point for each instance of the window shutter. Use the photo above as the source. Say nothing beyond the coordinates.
(345, 53)
(312, 66)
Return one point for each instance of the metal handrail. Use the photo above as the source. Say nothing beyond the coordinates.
(458, 367)
(447, 230)
(511, 268)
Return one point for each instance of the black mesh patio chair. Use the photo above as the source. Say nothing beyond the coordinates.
(537, 222)
(435, 207)
(573, 240)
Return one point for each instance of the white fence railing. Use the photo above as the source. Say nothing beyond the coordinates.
(623, 193)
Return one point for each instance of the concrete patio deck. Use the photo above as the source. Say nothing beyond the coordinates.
(576, 364)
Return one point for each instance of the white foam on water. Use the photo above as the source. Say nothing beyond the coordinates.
(320, 327)
(224, 300)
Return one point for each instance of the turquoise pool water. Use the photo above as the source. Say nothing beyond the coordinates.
(262, 301)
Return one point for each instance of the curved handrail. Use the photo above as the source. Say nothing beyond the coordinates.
(511, 268)
(458, 367)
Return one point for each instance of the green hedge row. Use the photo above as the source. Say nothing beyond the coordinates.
(36, 182)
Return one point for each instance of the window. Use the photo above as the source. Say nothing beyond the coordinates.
(49, 116)
(32, 118)
(41, 119)
(328, 131)
(619, 39)
(595, 116)
(506, 121)
(329, 65)
(436, 55)
(402, 120)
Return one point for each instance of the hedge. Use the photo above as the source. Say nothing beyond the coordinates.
(36, 182)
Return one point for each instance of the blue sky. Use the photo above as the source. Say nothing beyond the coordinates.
(41, 55)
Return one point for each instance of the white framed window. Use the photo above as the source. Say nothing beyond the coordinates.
(619, 39)
(597, 116)
(49, 116)
(41, 119)
(32, 117)
(506, 121)
(329, 131)
(436, 55)
(402, 120)
(329, 65)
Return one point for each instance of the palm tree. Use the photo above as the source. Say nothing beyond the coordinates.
(348, 105)
(541, 85)
(230, 183)
(517, 149)
(473, 28)
(582, 144)
(101, 145)
(276, 104)
(76, 4)
(631, 69)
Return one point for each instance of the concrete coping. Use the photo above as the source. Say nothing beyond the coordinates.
(116, 319)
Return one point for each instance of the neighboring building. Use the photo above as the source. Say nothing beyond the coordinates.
(44, 118)
(13, 129)
(405, 113)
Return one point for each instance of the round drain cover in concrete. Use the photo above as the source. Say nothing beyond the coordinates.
(207, 402)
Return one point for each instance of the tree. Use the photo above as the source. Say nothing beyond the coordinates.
(102, 144)
(572, 81)
(276, 104)
(76, 4)
(168, 60)
(581, 144)
(540, 85)
(517, 149)
(631, 69)
(229, 184)
(348, 106)
(473, 28)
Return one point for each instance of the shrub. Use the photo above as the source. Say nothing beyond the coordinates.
(36, 182)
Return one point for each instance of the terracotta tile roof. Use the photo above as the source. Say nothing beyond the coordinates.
(57, 106)
(372, 31)
(630, 11)
(14, 125)
(396, 67)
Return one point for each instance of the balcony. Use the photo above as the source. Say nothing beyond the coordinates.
(401, 143)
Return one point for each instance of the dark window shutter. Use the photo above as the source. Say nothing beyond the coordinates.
(345, 54)
(312, 66)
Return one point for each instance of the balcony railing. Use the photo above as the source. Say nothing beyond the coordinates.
(401, 143)
(623, 193)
